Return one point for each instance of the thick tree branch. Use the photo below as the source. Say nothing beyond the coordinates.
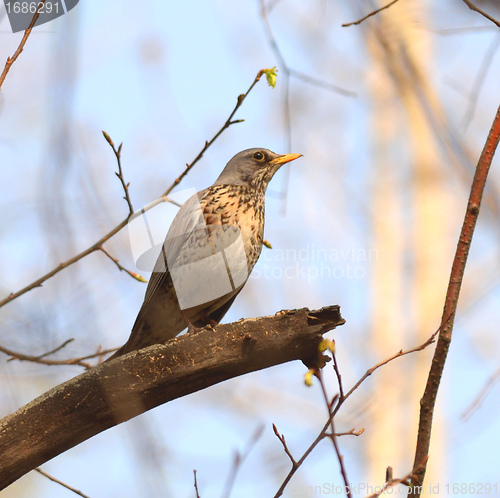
(139, 381)
(428, 401)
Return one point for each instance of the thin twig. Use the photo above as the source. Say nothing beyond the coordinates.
(428, 400)
(100, 352)
(478, 400)
(477, 9)
(239, 458)
(20, 356)
(480, 79)
(17, 53)
(272, 4)
(337, 373)
(287, 73)
(105, 238)
(321, 84)
(297, 463)
(340, 458)
(370, 14)
(43, 361)
(62, 266)
(225, 126)
(196, 485)
(287, 70)
(286, 95)
(332, 436)
(55, 350)
(118, 155)
(400, 353)
(393, 482)
(122, 268)
(352, 432)
(53, 479)
(319, 376)
(340, 401)
(461, 30)
(281, 437)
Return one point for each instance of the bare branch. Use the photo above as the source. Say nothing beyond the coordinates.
(41, 359)
(390, 4)
(461, 30)
(62, 266)
(225, 126)
(118, 155)
(271, 5)
(367, 374)
(340, 458)
(53, 479)
(288, 72)
(428, 400)
(20, 48)
(239, 458)
(97, 246)
(478, 400)
(480, 79)
(136, 382)
(298, 463)
(333, 438)
(122, 268)
(321, 84)
(335, 408)
(390, 482)
(352, 432)
(281, 437)
(484, 14)
(196, 485)
(339, 377)
(55, 350)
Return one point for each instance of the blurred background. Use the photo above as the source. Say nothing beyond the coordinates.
(390, 115)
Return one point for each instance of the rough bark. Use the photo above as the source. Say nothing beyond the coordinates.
(139, 381)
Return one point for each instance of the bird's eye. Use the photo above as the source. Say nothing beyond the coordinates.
(258, 156)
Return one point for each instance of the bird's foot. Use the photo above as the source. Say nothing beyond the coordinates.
(191, 327)
(205, 322)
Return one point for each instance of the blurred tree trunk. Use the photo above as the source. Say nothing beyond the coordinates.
(405, 311)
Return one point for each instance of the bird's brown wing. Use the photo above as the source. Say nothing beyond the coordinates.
(188, 219)
(218, 314)
(188, 240)
(159, 317)
(186, 222)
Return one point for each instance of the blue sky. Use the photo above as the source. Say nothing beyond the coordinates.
(162, 79)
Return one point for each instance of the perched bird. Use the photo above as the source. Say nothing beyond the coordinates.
(208, 254)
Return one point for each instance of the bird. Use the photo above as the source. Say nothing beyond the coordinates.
(209, 252)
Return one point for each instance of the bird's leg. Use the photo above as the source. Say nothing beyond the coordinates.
(202, 322)
(191, 327)
(209, 322)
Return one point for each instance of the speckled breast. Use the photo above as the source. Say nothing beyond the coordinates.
(241, 207)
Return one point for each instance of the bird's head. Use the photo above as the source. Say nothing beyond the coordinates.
(253, 168)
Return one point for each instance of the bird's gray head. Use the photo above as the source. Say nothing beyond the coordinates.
(253, 168)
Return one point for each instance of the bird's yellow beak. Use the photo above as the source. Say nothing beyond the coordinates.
(285, 158)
